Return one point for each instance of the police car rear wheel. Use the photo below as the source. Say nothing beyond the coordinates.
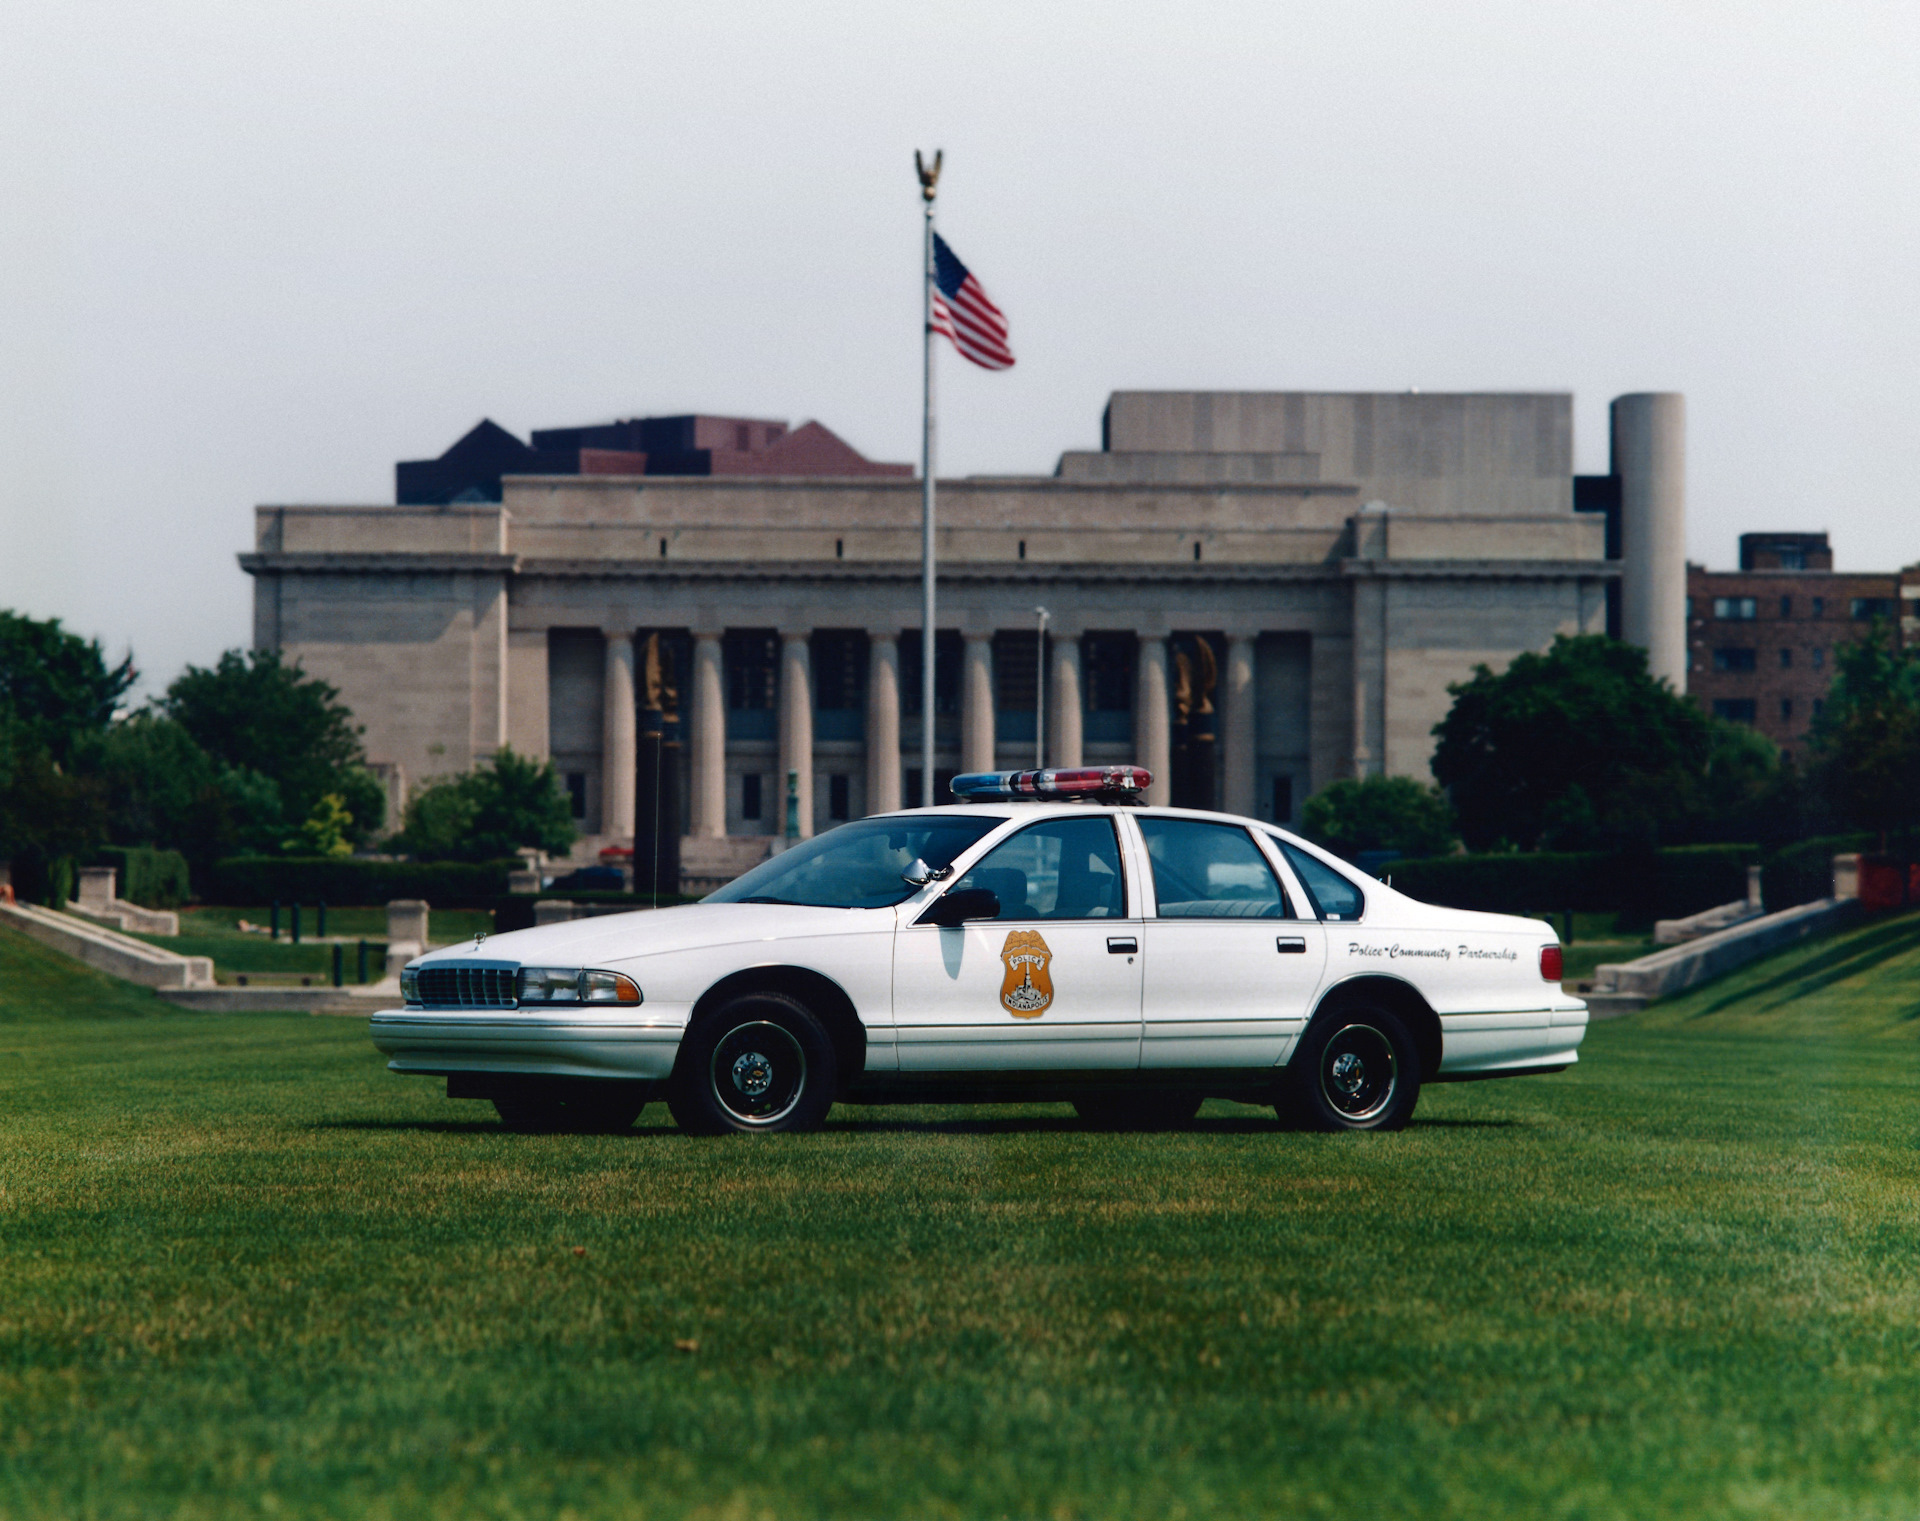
(1357, 1069)
(761, 1062)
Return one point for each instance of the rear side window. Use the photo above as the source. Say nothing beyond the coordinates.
(1210, 871)
(1333, 895)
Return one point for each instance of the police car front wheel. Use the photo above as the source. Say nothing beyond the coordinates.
(761, 1062)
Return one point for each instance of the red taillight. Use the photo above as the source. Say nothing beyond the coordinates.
(1550, 963)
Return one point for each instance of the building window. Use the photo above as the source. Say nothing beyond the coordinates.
(1283, 800)
(947, 649)
(1733, 660)
(1863, 608)
(1818, 705)
(750, 795)
(1819, 607)
(1791, 559)
(1786, 710)
(1016, 671)
(1819, 659)
(838, 807)
(1736, 609)
(942, 786)
(1737, 710)
(753, 668)
(1786, 607)
(1786, 659)
(1108, 662)
(839, 658)
(742, 437)
(577, 793)
(1689, 607)
(1023, 549)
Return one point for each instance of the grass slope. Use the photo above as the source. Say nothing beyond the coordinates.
(244, 1271)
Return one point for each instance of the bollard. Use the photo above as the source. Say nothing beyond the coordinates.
(296, 924)
(363, 961)
(273, 921)
(320, 913)
(339, 961)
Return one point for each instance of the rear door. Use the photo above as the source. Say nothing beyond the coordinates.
(1231, 964)
(1053, 983)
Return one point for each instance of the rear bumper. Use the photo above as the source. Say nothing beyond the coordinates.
(1489, 1045)
(524, 1041)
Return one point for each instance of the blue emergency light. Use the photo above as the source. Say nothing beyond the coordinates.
(1113, 784)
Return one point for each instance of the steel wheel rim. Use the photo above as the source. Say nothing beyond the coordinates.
(1359, 1073)
(758, 1073)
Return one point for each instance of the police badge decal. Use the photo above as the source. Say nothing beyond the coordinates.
(1027, 989)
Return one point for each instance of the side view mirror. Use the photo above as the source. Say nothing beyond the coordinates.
(962, 905)
(919, 874)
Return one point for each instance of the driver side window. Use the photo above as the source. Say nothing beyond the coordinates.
(1060, 869)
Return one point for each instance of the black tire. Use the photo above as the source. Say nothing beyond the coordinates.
(761, 1062)
(1357, 1069)
(1139, 1109)
(586, 1108)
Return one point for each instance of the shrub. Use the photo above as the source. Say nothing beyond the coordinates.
(151, 878)
(246, 880)
(1641, 885)
(1803, 872)
(1381, 813)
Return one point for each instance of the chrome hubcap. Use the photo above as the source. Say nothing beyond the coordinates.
(1359, 1073)
(753, 1074)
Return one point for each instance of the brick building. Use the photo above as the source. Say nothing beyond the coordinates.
(1760, 640)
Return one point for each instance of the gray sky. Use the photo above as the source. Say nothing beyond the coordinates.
(257, 253)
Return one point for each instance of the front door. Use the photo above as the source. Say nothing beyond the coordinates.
(1230, 971)
(1051, 984)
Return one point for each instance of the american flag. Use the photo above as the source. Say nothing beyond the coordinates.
(965, 313)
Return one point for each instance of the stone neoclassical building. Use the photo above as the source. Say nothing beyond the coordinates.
(1250, 593)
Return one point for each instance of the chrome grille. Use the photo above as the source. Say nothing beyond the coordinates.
(467, 987)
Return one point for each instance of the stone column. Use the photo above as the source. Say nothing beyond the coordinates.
(976, 704)
(1066, 709)
(619, 752)
(796, 729)
(1238, 732)
(883, 721)
(1152, 721)
(707, 712)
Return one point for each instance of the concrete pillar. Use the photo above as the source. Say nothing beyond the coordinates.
(1237, 737)
(976, 704)
(1066, 714)
(883, 722)
(796, 729)
(707, 713)
(1152, 720)
(1650, 457)
(619, 743)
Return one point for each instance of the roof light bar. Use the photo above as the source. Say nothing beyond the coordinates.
(1118, 783)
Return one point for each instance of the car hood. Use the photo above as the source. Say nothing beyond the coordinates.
(614, 938)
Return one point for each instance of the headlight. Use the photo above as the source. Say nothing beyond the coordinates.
(409, 985)
(548, 984)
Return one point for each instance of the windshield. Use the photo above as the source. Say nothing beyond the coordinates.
(857, 865)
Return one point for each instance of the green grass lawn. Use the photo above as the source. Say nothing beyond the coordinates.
(244, 1271)
(216, 932)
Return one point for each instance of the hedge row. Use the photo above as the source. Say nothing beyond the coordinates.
(1641, 886)
(151, 878)
(1803, 872)
(248, 880)
(516, 912)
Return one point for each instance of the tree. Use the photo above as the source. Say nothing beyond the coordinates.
(1867, 737)
(1579, 747)
(1381, 813)
(262, 718)
(57, 698)
(57, 692)
(506, 803)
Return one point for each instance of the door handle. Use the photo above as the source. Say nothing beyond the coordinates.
(1291, 945)
(1122, 945)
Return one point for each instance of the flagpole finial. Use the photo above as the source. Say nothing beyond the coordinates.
(929, 177)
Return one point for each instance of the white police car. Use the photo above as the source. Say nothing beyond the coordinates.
(1044, 940)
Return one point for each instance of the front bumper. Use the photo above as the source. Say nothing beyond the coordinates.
(619, 1043)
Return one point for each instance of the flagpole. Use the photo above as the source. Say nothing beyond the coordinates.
(929, 177)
